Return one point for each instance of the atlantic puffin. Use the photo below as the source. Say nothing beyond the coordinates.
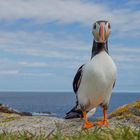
(94, 80)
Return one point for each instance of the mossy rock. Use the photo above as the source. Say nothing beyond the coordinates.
(129, 112)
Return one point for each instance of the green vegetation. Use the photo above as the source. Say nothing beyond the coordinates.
(99, 133)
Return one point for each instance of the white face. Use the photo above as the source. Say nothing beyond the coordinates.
(101, 31)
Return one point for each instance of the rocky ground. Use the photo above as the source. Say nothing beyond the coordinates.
(14, 121)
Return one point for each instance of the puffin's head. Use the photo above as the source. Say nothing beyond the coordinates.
(101, 31)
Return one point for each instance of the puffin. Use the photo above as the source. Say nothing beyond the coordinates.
(95, 80)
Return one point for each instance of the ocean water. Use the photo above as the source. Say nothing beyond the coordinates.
(57, 103)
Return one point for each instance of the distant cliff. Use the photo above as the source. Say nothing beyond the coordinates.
(6, 109)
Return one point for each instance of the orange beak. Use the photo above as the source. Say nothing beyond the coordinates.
(102, 32)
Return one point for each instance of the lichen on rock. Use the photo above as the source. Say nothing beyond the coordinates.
(129, 112)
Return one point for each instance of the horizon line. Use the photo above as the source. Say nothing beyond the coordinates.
(43, 91)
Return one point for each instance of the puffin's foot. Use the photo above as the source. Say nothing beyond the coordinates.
(102, 123)
(88, 124)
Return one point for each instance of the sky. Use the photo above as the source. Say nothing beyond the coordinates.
(44, 42)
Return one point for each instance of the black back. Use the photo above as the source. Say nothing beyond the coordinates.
(77, 79)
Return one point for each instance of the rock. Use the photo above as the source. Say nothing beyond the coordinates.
(25, 113)
(128, 115)
(6, 109)
(132, 108)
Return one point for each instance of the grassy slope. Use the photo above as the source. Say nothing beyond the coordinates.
(129, 113)
(119, 133)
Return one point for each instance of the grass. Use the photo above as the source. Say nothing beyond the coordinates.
(99, 133)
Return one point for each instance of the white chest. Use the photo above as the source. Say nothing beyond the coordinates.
(98, 78)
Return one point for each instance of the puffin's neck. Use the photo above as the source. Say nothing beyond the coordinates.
(98, 47)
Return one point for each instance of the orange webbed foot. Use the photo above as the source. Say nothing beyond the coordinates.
(102, 123)
(88, 125)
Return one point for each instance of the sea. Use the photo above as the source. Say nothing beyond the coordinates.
(57, 103)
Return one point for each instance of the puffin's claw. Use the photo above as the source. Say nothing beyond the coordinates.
(102, 123)
(88, 124)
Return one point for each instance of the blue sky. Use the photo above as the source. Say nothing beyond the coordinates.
(43, 42)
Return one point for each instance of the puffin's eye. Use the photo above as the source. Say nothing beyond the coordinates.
(109, 25)
(94, 27)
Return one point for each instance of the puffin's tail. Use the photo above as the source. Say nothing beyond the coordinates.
(75, 112)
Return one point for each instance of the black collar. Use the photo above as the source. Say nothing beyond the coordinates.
(98, 47)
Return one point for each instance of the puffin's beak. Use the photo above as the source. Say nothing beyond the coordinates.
(102, 33)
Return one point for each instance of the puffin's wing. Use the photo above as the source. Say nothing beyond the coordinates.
(77, 79)
(75, 112)
(114, 84)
